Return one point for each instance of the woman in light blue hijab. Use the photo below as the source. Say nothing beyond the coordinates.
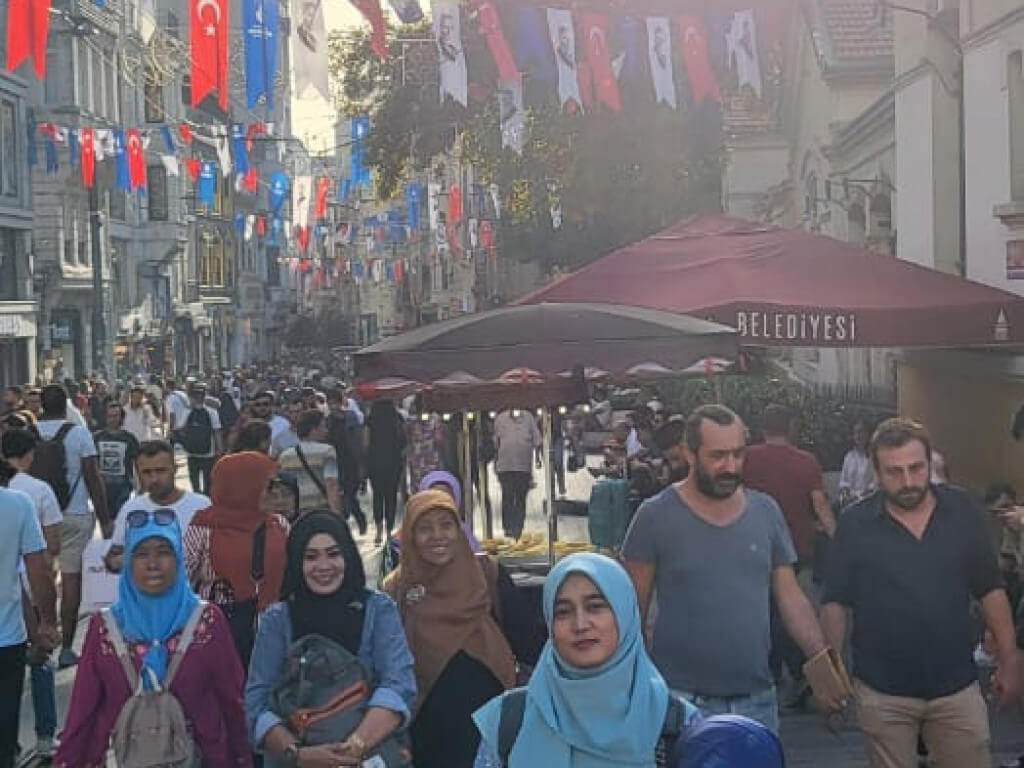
(157, 609)
(595, 699)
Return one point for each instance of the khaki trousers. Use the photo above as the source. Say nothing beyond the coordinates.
(955, 728)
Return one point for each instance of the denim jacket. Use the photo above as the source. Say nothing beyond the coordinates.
(383, 652)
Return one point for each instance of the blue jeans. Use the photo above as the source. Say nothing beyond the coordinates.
(762, 706)
(44, 699)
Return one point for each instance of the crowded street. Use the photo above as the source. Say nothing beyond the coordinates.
(512, 384)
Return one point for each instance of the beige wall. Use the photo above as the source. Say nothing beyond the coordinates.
(967, 402)
(975, 15)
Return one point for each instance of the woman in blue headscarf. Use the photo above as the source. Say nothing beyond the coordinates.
(154, 605)
(595, 699)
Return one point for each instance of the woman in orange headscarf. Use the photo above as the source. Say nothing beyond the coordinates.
(235, 550)
(462, 657)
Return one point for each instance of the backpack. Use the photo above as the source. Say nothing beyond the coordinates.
(322, 696)
(51, 466)
(513, 709)
(197, 434)
(608, 512)
(151, 730)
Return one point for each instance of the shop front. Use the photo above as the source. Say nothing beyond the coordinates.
(17, 342)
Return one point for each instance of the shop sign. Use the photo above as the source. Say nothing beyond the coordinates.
(60, 332)
(798, 327)
(10, 325)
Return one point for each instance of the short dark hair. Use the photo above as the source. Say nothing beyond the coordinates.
(308, 421)
(150, 448)
(718, 414)
(776, 420)
(54, 400)
(896, 433)
(137, 388)
(120, 408)
(997, 490)
(14, 389)
(252, 436)
(16, 443)
(266, 394)
(670, 434)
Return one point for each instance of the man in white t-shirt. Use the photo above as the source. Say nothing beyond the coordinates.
(175, 407)
(19, 446)
(156, 472)
(85, 484)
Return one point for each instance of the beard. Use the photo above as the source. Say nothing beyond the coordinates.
(907, 498)
(720, 486)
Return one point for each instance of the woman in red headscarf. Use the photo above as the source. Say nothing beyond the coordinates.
(235, 550)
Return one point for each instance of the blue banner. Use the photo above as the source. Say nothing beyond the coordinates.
(259, 18)
(121, 161)
(165, 131)
(239, 154)
(278, 191)
(206, 187)
(413, 202)
(534, 53)
(240, 224)
(73, 148)
(360, 131)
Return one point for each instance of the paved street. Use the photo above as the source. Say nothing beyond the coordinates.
(808, 743)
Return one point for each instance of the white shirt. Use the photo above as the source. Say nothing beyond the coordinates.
(75, 416)
(139, 422)
(633, 444)
(858, 475)
(177, 406)
(185, 507)
(42, 495)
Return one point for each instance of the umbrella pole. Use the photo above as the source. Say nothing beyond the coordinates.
(549, 507)
(467, 473)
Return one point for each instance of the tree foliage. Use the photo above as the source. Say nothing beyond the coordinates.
(616, 177)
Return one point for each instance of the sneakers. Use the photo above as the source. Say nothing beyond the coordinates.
(67, 658)
(44, 748)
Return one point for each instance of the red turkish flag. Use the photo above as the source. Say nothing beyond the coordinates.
(193, 166)
(322, 185)
(455, 204)
(261, 226)
(599, 59)
(186, 133)
(28, 25)
(86, 139)
(375, 15)
(490, 28)
(694, 38)
(136, 159)
(251, 180)
(209, 25)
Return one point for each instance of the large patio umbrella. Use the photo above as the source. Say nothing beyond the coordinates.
(531, 346)
(784, 287)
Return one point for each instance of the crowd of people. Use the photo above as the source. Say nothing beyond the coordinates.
(246, 630)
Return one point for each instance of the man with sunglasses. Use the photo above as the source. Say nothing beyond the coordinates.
(156, 471)
(262, 407)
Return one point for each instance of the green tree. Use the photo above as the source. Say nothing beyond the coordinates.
(616, 177)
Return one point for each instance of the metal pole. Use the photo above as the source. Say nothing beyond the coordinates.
(99, 329)
(467, 473)
(549, 508)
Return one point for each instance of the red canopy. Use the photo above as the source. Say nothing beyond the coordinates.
(785, 287)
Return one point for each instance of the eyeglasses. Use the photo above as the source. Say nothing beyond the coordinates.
(138, 518)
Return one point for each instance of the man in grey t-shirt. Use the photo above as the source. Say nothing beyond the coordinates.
(717, 554)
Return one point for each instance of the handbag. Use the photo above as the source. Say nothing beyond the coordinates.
(323, 696)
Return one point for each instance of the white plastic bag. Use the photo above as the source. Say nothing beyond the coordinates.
(99, 586)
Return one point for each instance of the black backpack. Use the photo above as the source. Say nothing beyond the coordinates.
(197, 436)
(50, 465)
(513, 708)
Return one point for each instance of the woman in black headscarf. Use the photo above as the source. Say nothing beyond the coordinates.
(325, 594)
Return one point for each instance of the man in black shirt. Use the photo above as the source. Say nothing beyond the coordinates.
(907, 562)
(118, 450)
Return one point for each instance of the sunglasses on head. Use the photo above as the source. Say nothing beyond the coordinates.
(138, 518)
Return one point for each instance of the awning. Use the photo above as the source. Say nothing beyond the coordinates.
(784, 287)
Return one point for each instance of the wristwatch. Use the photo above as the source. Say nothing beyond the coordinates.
(291, 755)
(358, 745)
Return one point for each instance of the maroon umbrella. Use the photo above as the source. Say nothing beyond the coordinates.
(785, 287)
(530, 346)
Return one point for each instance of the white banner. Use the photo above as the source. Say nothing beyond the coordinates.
(309, 48)
(448, 33)
(563, 38)
(659, 41)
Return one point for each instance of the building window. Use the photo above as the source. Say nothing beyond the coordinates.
(8, 266)
(1015, 82)
(153, 94)
(214, 262)
(9, 142)
(158, 207)
(83, 251)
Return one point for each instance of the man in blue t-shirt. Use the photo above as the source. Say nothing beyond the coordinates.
(19, 529)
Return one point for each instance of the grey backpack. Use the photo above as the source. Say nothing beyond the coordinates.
(151, 731)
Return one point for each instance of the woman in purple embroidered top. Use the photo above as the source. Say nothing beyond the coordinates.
(154, 604)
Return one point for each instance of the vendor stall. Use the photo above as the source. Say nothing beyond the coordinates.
(538, 356)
